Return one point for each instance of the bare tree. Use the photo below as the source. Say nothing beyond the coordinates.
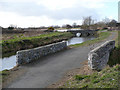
(101, 25)
(106, 20)
(87, 22)
(112, 24)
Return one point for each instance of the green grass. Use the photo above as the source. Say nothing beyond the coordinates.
(101, 36)
(115, 54)
(107, 78)
(34, 37)
(3, 75)
(21, 43)
(102, 29)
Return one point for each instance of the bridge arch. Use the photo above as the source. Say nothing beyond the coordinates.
(83, 32)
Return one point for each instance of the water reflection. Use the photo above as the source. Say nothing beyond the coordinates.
(76, 40)
(78, 34)
(7, 62)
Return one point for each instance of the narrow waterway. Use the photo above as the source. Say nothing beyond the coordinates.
(76, 40)
(10, 62)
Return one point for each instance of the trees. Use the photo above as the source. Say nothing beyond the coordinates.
(67, 26)
(106, 20)
(104, 23)
(87, 22)
(112, 24)
(11, 27)
(101, 25)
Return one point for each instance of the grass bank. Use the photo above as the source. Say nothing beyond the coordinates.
(7, 76)
(3, 75)
(115, 54)
(101, 36)
(107, 78)
(21, 43)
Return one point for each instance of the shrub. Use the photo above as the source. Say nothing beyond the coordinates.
(50, 28)
(10, 28)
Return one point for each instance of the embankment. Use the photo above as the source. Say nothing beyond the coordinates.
(13, 45)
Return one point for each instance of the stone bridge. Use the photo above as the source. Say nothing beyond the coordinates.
(83, 32)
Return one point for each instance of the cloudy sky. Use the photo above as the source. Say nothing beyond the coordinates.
(27, 13)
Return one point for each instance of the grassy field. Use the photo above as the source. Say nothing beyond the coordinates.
(21, 43)
(106, 78)
(6, 36)
(101, 36)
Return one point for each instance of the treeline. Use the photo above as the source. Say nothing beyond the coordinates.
(88, 23)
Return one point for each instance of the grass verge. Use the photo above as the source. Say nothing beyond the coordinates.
(101, 36)
(107, 78)
(114, 56)
(3, 75)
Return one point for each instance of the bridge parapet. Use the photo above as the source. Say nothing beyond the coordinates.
(27, 56)
(98, 57)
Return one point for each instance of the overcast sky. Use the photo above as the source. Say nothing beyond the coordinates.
(27, 13)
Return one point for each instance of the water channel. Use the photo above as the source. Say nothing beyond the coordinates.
(10, 62)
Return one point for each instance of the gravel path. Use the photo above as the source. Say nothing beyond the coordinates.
(52, 68)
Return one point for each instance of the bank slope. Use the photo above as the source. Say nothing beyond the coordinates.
(13, 45)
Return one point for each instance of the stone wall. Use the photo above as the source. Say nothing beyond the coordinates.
(84, 33)
(98, 57)
(27, 56)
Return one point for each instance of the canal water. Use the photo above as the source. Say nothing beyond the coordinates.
(10, 62)
(76, 40)
(7, 62)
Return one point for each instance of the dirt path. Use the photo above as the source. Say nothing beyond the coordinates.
(52, 68)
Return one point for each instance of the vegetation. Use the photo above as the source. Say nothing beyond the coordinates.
(13, 34)
(51, 28)
(114, 56)
(21, 43)
(10, 28)
(106, 78)
(3, 75)
(90, 23)
(101, 36)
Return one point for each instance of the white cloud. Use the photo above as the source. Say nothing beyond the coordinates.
(8, 18)
(25, 13)
(57, 4)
